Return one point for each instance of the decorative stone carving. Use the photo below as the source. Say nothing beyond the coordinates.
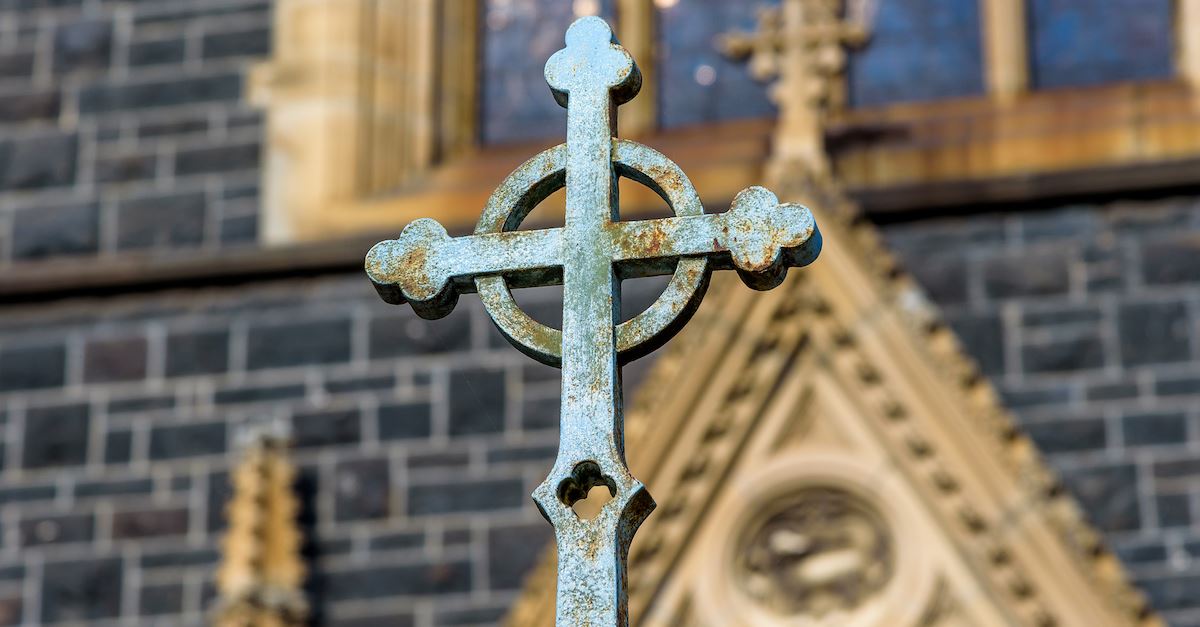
(261, 572)
(816, 551)
(800, 44)
(813, 537)
(897, 417)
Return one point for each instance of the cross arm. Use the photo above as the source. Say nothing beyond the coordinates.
(759, 237)
(429, 269)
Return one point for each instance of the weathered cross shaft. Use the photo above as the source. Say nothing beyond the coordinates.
(590, 255)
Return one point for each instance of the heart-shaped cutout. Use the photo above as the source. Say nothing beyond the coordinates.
(584, 491)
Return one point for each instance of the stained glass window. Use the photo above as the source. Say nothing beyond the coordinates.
(919, 50)
(697, 83)
(519, 36)
(1085, 42)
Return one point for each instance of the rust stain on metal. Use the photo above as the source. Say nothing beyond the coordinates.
(759, 237)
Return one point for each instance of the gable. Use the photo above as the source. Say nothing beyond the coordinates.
(830, 434)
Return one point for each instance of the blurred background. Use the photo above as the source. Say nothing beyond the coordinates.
(187, 188)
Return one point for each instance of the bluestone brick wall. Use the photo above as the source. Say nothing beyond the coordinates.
(418, 444)
(123, 126)
(1088, 320)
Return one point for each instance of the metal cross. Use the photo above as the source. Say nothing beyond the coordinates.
(589, 256)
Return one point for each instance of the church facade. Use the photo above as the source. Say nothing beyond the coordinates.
(187, 190)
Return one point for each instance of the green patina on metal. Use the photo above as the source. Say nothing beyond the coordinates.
(758, 237)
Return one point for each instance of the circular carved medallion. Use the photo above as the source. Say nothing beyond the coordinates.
(815, 551)
(818, 539)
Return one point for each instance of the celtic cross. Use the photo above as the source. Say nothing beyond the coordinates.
(590, 255)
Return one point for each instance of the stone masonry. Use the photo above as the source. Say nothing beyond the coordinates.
(418, 444)
(1087, 318)
(123, 127)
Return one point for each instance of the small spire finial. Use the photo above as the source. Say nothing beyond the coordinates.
(801, 44)
(261, 572)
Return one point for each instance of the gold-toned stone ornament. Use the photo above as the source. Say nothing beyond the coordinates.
(261, 573)
(800, 43)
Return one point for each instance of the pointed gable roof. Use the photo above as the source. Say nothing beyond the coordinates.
(832, 435)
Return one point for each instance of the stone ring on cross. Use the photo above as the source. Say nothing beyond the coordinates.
(590, 255)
